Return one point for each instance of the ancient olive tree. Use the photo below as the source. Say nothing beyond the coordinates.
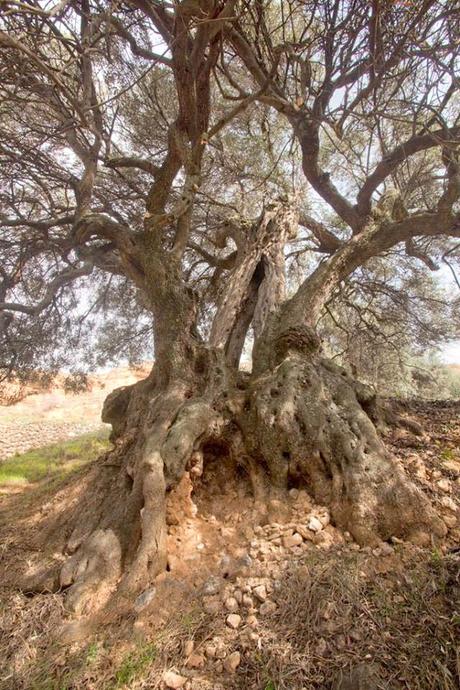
(129, 167)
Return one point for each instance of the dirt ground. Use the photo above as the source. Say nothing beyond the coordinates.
(288, 603)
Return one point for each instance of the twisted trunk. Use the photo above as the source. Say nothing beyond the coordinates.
(297, 420)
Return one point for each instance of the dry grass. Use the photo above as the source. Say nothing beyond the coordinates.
(119, 656)
(337, 611)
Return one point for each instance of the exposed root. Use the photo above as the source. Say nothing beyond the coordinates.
(306, 423)
(94, 571)
(122, 542)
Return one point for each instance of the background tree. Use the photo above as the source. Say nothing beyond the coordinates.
(131, 179)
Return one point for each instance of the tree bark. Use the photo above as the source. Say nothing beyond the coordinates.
(302, 423)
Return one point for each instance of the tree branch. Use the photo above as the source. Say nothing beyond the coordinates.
(133, 162)
(62, 279)
(417, 143)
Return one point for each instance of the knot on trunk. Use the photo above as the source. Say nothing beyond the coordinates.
(303, 339)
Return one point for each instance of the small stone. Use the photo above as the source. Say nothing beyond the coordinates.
(231, 604)
(267, 608)
(195, 660)
(396, 540)
(444, 485)
(210, 651)
(232, 662)
(248, 602)
(252, 621)
(324, 519)
(212, 586)
(294, 494)
(450, 521)
(260, 593)
(243, 564)
(238, 594)
(233, 621)
(291, 541)
(173, 680)
(188, 647)
(386, 549)
(449, 503)
(144, 599)
(314, 524)
(319, 538)
(304, 532)
(221, 649)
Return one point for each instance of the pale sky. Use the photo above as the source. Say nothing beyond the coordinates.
(451, 353)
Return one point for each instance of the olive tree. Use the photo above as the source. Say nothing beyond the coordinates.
(129, 167)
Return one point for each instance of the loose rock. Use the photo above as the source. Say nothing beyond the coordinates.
(173, 680)
(231, 604)
(294, 540)
(233, 620)
(232, 662)
(195, 660)
(444, 485)
(267, 608)
(314, 524)
(260, 593)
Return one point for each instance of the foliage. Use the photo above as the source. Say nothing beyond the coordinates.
(139, 158)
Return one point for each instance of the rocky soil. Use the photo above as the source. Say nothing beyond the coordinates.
(257, 597)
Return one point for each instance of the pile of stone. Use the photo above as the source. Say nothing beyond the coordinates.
(251, 595)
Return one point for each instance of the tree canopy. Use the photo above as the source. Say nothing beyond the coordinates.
(169, 129)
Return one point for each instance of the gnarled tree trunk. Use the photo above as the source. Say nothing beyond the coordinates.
(297, 420)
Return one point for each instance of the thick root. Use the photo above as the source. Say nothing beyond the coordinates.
(303, 422)
(94, 571)
(121, 543)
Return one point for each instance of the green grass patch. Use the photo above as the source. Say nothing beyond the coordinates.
(134, 665)
(53, 462)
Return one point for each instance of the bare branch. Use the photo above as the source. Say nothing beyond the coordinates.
(61, 280)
